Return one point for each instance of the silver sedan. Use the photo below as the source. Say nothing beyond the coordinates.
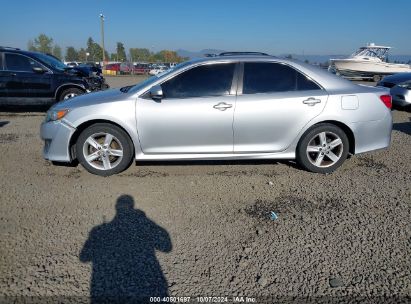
(231, 106)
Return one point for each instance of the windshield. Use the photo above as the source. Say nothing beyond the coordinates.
(154, 78)
(51, 61)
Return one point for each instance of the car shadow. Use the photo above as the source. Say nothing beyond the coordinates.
(25, 108)
(404, 127)
(3, 123)
(123, 256)
(253, 162)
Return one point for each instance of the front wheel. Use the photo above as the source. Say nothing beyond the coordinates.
(70, 93)
(323, 148)
(104, 149)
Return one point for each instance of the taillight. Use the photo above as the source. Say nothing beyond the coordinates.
(387, 100)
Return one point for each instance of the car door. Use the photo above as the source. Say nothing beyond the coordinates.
(275, 102)
(23, 81)
(195, 114)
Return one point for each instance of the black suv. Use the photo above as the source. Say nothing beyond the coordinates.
(37, 78)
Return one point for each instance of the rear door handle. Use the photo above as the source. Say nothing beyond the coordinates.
(222, 106)
(311, 101)
(13, 74)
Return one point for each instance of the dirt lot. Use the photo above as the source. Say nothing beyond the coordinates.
(203, 228)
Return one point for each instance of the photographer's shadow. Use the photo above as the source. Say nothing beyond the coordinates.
(122, 253)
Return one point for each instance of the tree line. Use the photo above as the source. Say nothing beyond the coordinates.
(94, 52)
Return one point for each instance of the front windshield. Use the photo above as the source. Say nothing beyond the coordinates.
(51, 61)
(154, 78)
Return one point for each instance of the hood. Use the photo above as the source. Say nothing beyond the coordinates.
(94, 98)
(79, 71)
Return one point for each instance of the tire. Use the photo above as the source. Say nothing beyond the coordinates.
(104, 149)
(376, 78)
(311, 146)
(70, 93)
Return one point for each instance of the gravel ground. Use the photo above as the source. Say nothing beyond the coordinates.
(204, 228)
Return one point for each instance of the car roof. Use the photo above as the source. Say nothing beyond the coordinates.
(398, 78)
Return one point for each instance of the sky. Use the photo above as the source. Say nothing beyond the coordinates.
(311, 27)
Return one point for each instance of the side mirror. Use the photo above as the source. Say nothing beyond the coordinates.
(156, 93)
(39, 70)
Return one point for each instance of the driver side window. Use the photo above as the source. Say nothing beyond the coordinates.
(201, 81)
(19, 63)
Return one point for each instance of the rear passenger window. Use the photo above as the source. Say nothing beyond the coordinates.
(305, 84)
(264, 77)
(205, 80)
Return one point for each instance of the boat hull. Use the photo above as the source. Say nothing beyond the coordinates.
(349, 67)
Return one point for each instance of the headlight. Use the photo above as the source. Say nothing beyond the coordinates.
(53, 115)
(406, 85)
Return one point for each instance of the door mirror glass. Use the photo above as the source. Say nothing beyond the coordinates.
(156, 92)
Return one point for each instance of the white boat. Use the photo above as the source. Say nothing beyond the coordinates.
(368, 62)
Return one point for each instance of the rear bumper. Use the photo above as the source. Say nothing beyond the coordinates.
(372, 135)
(56, 136)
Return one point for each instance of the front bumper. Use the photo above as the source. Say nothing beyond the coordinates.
(56, 136)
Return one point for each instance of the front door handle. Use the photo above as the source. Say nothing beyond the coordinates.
(13, 74)
(222, 106)
(311, 101)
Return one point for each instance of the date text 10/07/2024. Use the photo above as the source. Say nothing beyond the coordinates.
(236, 299)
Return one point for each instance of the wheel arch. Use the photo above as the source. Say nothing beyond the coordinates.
(347, 130)
(80, 128)
(66, 86)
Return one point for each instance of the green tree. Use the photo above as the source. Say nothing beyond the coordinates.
(30, 46)
(140, 54)
(71, 54)
(166, 56)
(95, 50)
(43, 44)
(57, 52)
(82, 55)
(121, 52)
(113, 56)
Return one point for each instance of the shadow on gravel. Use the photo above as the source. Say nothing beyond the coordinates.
(252, 162)
(24, 108)
(404, 127)
(3, 123)
(122, 253)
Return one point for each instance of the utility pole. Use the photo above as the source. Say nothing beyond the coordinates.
(102, 37)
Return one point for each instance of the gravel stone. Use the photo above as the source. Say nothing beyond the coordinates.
(203, 228)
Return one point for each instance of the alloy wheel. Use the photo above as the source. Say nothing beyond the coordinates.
(103, 151)
(325, 149)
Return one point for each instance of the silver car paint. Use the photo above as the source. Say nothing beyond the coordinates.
(166, 131)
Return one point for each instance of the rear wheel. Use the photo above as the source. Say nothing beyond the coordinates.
(104, 149)
(323, 148)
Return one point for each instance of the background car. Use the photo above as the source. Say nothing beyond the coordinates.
(37, 78)
(400, 88)
(157, 70)
(141, 69)
(284, 109)
(112, 67)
